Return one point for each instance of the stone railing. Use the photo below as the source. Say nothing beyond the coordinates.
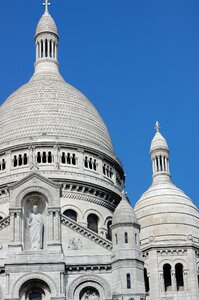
(4, 222)
(91, 235)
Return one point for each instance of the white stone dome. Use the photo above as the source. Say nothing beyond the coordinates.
(46, 24)
(48, 106)
(166, 213)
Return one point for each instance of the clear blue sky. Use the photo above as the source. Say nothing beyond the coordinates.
(136, 60)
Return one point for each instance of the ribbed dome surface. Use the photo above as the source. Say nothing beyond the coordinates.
(124, 213)
(46, 24)
(47, 105)
(158, 142)
(165, 212)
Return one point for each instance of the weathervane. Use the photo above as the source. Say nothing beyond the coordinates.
(46, 4)
(157, 126)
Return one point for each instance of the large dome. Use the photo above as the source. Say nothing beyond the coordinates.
(47, 105)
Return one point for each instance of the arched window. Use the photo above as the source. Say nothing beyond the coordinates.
(20, 159)
(128, 281)
(63, 158)
(179, 277)
(15, 161)
(42, 48)
(70, 213)
(44, 157)
(3, 164)
(93, 222)
(126, 237)
(25, 159)
(39, 157)
(73, 159)
(167, 277)
(109, 232)
(49, 157)
(68, 158)
(86, 162)
(146, 281)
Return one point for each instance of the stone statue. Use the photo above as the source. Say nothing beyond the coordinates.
(36, 229)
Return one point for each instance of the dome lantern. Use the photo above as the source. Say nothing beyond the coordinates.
(159, 151)
(46, 42)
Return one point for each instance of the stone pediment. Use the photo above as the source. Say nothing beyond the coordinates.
(34, 184)
(34, 176)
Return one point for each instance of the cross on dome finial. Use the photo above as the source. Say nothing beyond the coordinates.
(157, 126)
(46, 4)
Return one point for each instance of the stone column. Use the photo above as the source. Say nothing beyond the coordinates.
(51, 226)
(12, 226)
(81, 160)
(173, 281)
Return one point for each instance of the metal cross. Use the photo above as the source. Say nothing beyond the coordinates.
(157, 126)
(46, 4)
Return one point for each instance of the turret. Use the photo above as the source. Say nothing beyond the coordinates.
(46, 43)
(127, 262)
(159, 157)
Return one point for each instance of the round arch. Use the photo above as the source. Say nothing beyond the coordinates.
(33, 189)
(94, 281)
(31, 277)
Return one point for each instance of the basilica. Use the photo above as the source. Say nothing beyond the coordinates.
(67, 228)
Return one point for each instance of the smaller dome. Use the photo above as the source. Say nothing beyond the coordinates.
(124, 212)
(46, 24)
(158, 142)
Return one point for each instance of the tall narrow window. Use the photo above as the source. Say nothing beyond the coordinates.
(167, 277)
(39, 157)
(146, 281)
(179, 277)
(126, 237)
(63, 158)
(42, 48)
(68, 159)
(136, 238)
(116, 239)
(93, 222)
(3, 164)
(73, 159)
(109, 232)
(128, 281)
(15, 161)
(86, 162)
(46, 48)
(44, 157)
(49, 157)
(20, 159)
(25, 159)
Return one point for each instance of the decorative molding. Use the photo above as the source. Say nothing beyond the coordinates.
(49, 281)
(89, 279)
(126, 224)
(35, 268)
(89, 198)
(5, 222)
(91, 235)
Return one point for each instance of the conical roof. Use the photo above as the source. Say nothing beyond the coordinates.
(46, 24)
(124, 212)
(158, 142)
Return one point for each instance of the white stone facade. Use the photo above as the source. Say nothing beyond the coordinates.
(67, 230)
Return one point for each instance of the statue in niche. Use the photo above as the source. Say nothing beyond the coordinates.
(90, 294)
(36, 226)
